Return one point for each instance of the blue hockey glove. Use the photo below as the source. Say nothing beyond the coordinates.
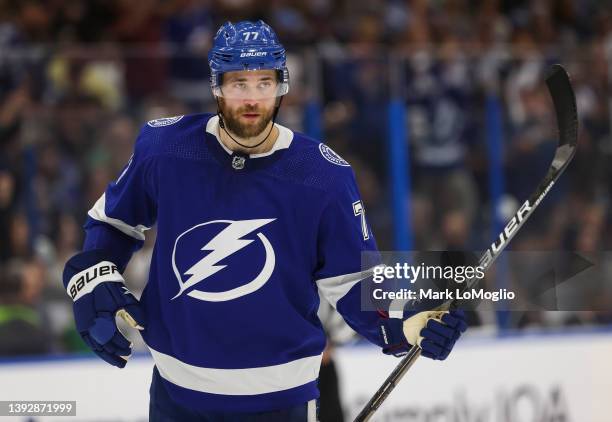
(99, 294)
(435, 331)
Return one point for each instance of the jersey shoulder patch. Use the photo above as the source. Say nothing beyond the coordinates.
(164, 121)
(331, 156)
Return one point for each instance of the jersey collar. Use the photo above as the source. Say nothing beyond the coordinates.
(285, 137)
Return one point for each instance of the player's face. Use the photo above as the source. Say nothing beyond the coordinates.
(248, 101)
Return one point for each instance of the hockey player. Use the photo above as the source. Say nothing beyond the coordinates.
(255, 223)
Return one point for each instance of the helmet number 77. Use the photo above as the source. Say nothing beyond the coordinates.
(250, 36)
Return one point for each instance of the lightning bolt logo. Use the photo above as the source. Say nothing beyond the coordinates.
(225, 243)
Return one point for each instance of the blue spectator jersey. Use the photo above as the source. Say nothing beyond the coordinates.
(245, 247)
(441, 129)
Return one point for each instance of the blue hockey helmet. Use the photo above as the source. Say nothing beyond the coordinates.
(247, 46)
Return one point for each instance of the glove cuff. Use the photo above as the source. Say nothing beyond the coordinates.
(86, 270)
(392, 337)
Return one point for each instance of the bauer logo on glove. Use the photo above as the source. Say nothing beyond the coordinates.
(85, 281)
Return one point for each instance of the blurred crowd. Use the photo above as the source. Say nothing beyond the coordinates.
(78, 78)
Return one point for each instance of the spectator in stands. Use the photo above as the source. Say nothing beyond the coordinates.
(8, 195)
(21, 327)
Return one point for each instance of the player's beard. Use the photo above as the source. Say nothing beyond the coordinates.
(231, 118)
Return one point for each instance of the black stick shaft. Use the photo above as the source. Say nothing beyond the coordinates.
(388, 386)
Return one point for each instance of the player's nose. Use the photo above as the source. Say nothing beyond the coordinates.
(251, 102)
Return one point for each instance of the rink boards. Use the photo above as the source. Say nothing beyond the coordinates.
(533, 378)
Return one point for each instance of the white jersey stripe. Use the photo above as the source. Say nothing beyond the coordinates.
(334, 288)
(238, 382)
(97, 212)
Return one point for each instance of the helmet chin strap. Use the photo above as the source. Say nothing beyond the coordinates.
(222, 124)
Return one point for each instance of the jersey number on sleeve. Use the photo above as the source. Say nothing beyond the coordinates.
(359, 210)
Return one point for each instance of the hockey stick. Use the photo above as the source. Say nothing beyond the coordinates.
(564, 101)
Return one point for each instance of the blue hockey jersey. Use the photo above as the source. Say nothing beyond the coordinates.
(245, 247)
